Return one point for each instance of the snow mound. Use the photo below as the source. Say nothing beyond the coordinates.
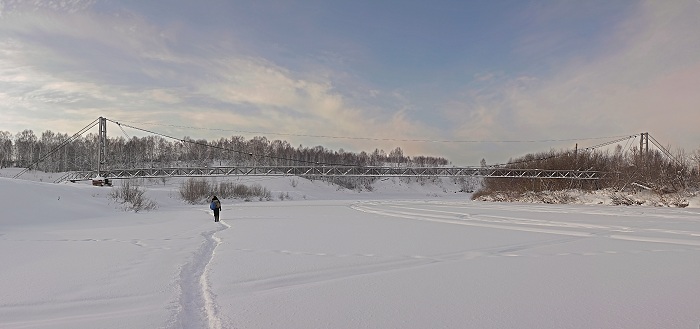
(36, 202)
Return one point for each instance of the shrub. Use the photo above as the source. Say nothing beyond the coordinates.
(195, 190)
(200, 190)
(131, 197)
(651, 168)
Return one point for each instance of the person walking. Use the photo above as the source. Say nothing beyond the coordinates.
(216, 206)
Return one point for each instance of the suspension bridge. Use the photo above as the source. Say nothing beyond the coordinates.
(313, 169)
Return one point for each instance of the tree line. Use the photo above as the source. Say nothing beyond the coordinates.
(25, 149)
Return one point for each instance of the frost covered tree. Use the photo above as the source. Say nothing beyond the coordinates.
(5, 149)
(396, 156)
(25, 145)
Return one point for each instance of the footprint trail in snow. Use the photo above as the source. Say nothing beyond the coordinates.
(197, 308)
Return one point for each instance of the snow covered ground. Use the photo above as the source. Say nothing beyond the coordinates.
(403, 256)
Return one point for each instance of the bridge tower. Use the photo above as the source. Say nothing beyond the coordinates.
(643, 151)
(102, 147)
(644, 144)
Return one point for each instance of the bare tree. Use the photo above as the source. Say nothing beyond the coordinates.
(5, 149)
(25, 144)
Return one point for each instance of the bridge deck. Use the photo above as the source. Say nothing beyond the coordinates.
(335, 171)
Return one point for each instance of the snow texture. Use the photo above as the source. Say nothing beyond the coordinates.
(403, 256)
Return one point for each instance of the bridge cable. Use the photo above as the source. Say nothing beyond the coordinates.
(125, 134)
(665, 151)
(340, 164)
(384, 139)
(58, 147)
(231, 150)
(628, 145)
(562, 154)
(609, 143)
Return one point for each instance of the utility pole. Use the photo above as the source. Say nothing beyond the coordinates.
(102, 147)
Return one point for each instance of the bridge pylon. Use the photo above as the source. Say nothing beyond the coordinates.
(102, 147)
(643, 150)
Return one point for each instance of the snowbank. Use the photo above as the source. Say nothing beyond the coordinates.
(602, 197)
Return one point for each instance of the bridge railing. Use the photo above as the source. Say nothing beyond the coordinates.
(336, 171)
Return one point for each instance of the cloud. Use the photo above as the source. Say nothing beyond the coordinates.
(644, 77)
(8, 7)
(61, 67)
(281, 102)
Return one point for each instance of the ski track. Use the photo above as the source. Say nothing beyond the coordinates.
(198, 308)
(71, 320)
(414, 211)
(387, 264)
(418, 210)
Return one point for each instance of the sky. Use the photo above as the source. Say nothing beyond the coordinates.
(465, 80)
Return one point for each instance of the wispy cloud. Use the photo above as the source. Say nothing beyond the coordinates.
(88, 64)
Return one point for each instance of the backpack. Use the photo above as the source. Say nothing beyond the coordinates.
(212, 205)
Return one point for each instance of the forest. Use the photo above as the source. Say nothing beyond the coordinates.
(26, 149)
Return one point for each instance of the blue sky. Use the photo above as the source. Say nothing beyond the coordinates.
(466, 75)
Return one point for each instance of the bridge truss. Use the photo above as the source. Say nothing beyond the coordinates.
(335, 171)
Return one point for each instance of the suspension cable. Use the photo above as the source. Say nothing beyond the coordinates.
(122, 129)
(628, 145)
(611, 142)
(381, 139)
(58, 147)
(232, 150)
(665, 151)
(564, 153)
(340, 164)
